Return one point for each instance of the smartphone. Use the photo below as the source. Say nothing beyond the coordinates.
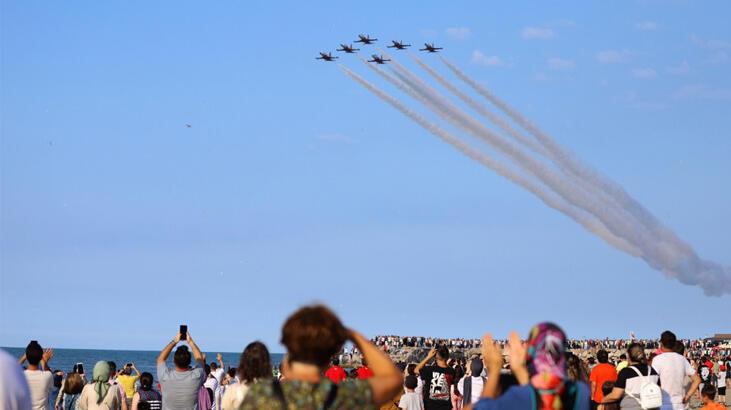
(183, 332)
(128, 365)
(80, 368)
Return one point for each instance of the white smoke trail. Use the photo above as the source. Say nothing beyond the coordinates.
(517, 135)
(673, 256)
(581, 217)
(617, 224)
(659, 247)
(427, 102)
(564, 158)
(480, 109)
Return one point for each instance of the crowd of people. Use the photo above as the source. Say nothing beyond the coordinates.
(541, 372)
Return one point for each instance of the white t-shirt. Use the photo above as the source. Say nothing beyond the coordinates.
(218, 374)
(411, 401)
(476, 388)
(234, 397)
(672, 368)
(212, 383)
(14, 392)
(40, 383)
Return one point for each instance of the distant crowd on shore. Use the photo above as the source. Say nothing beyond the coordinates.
(546, 371)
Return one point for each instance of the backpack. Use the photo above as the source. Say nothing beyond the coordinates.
(650, 393)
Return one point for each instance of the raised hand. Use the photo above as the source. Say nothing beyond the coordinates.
(219, 357)
(47, 354)
(492, 355)
(516, 351)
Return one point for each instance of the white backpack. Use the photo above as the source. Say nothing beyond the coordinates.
(650, 393)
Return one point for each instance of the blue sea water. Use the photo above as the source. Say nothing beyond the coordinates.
(144, 360)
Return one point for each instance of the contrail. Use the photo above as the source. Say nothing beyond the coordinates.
(673, 257)
(616, 224)
(502, 124)
(480, 109)
(628, 220)
(587, 221)
(564, 157)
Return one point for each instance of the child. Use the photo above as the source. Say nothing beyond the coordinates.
(607, 388)
(708, 395)
(410, 400)
(723, 379)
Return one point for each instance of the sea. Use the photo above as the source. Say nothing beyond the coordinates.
(144, 360)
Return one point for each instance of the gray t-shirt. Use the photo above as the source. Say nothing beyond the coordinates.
(180, 389)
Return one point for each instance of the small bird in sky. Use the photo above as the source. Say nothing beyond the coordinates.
(188, 126)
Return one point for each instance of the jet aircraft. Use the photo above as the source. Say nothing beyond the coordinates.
(430, 48)
(347, 48)
(326, 57)
(378, 59)
(365, 39)
(398, 45)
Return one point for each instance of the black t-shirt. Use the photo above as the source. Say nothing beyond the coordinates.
(625, 375)
(438, 382)
(705, 373)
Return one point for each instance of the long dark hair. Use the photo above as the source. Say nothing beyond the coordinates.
(146, 381)
(575, 370)
(255, 363)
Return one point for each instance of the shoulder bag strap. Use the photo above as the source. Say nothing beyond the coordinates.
(642, 378)
(331, 396)
(279, 393)
(467, 387)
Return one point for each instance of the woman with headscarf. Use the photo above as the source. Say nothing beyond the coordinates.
(99, 394)
(540, 368)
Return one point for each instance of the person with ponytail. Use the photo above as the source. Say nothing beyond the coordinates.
(539, 365)
(629, 383)
(99, 394)
(147, 394)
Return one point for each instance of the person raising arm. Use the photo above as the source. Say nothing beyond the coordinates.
(163, 357)
(181, 383)
(387, 379)
(427, 359)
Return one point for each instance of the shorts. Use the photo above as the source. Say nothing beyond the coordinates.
(722, 391)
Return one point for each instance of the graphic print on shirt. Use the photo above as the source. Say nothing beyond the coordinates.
(439, 387)
(705, 373)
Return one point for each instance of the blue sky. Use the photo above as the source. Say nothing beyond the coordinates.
(295, 185)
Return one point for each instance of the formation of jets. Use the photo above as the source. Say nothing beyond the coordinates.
(365, 39)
